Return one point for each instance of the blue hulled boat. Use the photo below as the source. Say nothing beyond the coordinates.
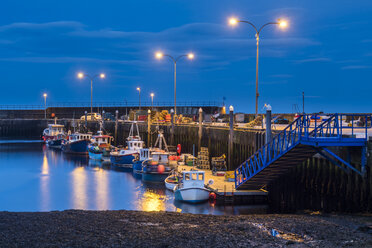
(77, 143)
(100, 147)
(125, 158)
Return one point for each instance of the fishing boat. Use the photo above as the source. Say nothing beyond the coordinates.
(146, 153)
(100, 147)
(126, 157)
(192, 188)
(53, 135)
(157, 168)
(76, 143)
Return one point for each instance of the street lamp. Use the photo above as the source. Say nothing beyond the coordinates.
(160, 55)
(45, 108)
(152, 100)
(82, 75)
(282, 24)
(139, 97)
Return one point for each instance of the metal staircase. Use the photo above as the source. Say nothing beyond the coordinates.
(302, 139)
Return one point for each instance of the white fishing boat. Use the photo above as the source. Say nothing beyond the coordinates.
(192, 188)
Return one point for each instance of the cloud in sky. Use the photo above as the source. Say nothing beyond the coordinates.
(61, 41)
(356, 67)
(49, 41)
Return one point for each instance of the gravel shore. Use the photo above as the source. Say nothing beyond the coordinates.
(74, 228)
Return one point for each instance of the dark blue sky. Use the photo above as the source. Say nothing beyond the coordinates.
(326, 52)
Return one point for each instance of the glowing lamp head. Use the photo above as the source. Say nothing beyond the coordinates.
(233, 21)
(159, 55)
(152, 94)
(138, 88)
(102, 75)
(45, 95)
(282, 23)
(80, 75)
(190, 56)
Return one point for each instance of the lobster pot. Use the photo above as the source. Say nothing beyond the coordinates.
(203, 159)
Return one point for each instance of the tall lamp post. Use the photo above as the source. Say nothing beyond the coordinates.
(160, 55)
(82, 75)
(139, 97)
(45, 107)
(281, 23)
(152, 100)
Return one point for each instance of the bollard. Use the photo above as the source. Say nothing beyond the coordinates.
(172, 127)
(200, 127)
(268, 124)
(116, 126)
(231, 138)
(86, 120)
(149, 128)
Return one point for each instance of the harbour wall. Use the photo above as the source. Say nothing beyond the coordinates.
(315, 184)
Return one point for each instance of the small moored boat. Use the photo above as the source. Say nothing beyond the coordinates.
(126, 157)
(192, 188)
(100, 147)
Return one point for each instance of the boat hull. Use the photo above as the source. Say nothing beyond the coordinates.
(170, 186)
(56, 143)
(95, 156)
(76, 147)
(137, 167)
(125, 161)
(192, 195)
(154, 177)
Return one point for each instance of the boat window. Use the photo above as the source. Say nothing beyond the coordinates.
(194, 176)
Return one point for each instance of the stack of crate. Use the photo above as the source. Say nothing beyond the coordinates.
(203, 158)
(219, 163)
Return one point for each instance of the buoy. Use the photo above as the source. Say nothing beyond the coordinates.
(161, 168)
(179, 149)
(212, 196)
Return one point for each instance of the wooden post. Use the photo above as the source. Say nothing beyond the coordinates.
(149, 128)
(231, 139)
(200, 128)
(116, 126)
(172, 128)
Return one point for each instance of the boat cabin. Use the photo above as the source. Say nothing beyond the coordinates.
(54, 130)
(144, 154)
(101, 139)
(135, 145)
(79, 136)
(193, 179)
(160, 157)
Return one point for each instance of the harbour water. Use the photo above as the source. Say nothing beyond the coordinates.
(35, 178)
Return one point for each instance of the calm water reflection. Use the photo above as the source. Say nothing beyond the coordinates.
(35, 178)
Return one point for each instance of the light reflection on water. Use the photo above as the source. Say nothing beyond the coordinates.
(35, 178)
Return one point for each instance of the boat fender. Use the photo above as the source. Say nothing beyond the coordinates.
(212, 196)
